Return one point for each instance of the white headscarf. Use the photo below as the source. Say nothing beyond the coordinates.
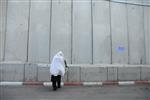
(58, 66)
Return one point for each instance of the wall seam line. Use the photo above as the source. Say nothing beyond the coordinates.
(71, 31)
(128, 34)
(110, 32)
(28, 33)
(50, 31)
(144, 35)
(125, 2)
(92, 30)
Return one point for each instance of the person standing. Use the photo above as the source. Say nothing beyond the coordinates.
(57, 69)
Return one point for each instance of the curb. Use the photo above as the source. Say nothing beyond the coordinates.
(77, 83)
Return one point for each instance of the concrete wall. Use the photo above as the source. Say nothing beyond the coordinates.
(76, 73)
(82, 40)
(147, 32)
(3, 8)
(17, 29)
(135, 1)
(39, 31)
(12, 72)
(87, 31)
(61, 28)
(136, 29)
(119, 33)
(101, 32)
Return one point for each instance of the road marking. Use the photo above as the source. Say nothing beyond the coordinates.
(126, 82)
(11, 83)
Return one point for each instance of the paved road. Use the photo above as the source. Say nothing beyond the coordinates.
(138, 92)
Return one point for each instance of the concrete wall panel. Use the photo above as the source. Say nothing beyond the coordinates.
(74, 74)
(129, 73)
(61, 28)
(147, 32)
(39, 32)
(119, 0)
(65, 77)
(3, 4)
(146, 2)
(43, 74)
(13, 72)
(82, 42)
(145, 73)
(1, 71)
(71, 31)
(93, 74)
(135, 1)
(112, 73)
(136, 34)
(30, 72)
(17, 29)
(119, 33)
(101, 32)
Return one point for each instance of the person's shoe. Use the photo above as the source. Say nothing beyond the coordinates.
(54, 89)
(59, 86)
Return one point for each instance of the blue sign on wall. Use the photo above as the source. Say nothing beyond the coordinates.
(121, 49)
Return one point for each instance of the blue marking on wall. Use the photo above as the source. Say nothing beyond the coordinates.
(121, 49)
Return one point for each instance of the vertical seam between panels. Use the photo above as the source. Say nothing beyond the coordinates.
(117, 73)
(110, 31)
(144, 33)
(24, 72)
(71, 31)
(148, 59)
(140, 72)
(50, 30)
(92, 30)
(28, 37)
(128, 34)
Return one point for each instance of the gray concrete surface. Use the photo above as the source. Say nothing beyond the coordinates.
(145, 73)
(3, 13)
(89, 74)
(75, 73)
(43, 74)
(39, 29)
(61, 28)
(31, 72)
(98, 31)
(75, 93)
(82, 41)
(134, 1)
(112, 73)
(101, 32)
(129, 73)
(119, 35)
(17, 29)
(146, 2)
(12, 72)
(135, 29)
(147, 32)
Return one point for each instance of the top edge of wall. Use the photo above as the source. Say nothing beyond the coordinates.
(130, 3)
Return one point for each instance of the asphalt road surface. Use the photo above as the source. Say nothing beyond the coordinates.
(136, 92)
